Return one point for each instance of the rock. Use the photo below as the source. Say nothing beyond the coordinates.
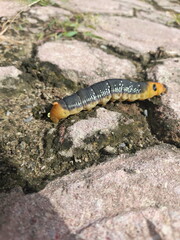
(126, 34)
(102, 201)
(168, 5)
(9, 71)
(109, 150)
(119, 130)
(89, 137)
(10, 8)
(9, 80)
(111, 7)
(104, 122)
(38, 219)
(46, 12)
(154, 15)
(167, 123)
(127, 8)
(116, 192)
(81, 62)
(167, 71)
(141, 224)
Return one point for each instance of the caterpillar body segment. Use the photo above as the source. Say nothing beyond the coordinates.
(103, 92)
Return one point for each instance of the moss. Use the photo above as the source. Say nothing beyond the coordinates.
(132, 131)
(134, 136)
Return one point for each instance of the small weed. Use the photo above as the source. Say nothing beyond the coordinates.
(177, 18)
(69, 28)
(91, 35)
(56, 29)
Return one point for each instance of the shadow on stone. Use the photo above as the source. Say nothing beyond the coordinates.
(11, 177)
(30, 217)
(152, 231)
(9, 174)
(163, 124)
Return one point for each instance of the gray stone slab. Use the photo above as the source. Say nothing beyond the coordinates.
(81, 62)
(9, 71)
(167, 71)
(169, 4)
(137, 34)
(128, 8)
(10, 8)
(104, 122)
(47, 12)
(102, 201)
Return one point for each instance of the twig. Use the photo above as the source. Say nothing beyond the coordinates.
(10, 21)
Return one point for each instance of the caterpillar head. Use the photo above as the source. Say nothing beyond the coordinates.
(156, 89)
(57, 112)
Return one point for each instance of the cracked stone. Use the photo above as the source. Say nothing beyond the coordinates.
(46, 12)
(127, 8)
(169, 5)
(167, 71)
(137, 35)
(81, 62)
(105, 120)
(9, 71)
(102, 201)
(10, 8)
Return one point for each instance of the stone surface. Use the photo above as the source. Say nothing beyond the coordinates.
(104, 122)
(128, 8)
(100, 6)
(37, 218)
(81, 62)
(137, 34)
(47, 12)
(126, 197)
(10, 8)
(151, 223)
(167, 124)
(9, 71)
(169, 4)
(9, 79)
(154, 15)
(167, 71)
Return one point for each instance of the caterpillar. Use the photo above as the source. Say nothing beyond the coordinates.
(101, 93)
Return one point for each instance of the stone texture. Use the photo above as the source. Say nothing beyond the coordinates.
(104, 122)
(167, 71)
(9, 71)
(10, 8)
(114, 190)
(33, 218)
(100, 6)
(169, 5)
(9, 78)
(133, 197)
(154, 15)
(128, 8)
(167, 124)
(138, 35)
(81, 62)
(45, 13)
(132, 225)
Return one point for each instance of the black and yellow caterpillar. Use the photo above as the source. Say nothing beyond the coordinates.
(101, 93)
